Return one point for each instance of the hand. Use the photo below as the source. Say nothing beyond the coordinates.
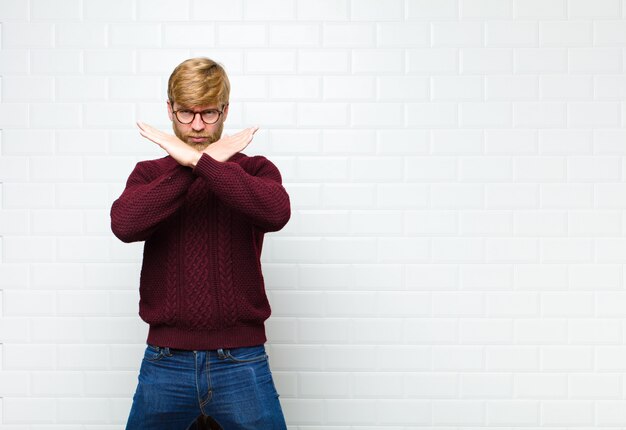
(228, 146)
(184, 154)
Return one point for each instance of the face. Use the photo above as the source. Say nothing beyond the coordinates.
(197, 134)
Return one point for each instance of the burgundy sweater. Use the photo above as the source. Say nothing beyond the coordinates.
(201, 284)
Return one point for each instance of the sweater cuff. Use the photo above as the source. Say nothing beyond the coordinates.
(207, 166)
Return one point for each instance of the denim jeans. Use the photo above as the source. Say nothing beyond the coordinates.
(234, 386)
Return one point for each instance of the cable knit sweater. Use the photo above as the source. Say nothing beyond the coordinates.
(201, 284)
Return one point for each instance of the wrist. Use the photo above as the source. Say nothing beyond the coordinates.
(195, 159)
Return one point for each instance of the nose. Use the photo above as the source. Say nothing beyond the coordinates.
(197, 124)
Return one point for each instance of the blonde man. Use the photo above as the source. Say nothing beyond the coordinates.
(202, 211)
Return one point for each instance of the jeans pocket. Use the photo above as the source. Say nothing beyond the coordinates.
(153, 353)
(246, 355)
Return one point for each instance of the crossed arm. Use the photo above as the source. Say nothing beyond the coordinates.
(185, 155)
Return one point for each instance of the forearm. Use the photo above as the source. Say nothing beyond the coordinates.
(260, 198)
(144, 205)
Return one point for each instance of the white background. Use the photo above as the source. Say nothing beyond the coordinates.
(456, 169)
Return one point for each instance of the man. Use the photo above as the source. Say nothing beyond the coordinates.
(202, 212)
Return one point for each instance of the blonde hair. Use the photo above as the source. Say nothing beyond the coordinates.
(198, 82)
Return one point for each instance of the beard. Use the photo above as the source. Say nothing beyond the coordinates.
(188, 137)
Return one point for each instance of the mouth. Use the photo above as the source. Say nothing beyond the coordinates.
(198, 139)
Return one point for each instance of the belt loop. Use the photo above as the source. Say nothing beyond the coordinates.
(166, 351)
(220, 354)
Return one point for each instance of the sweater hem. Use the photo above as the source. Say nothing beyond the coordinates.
(194, 340)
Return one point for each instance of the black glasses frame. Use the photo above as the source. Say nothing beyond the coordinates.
(220, 112)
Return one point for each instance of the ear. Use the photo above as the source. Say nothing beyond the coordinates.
(170, 111)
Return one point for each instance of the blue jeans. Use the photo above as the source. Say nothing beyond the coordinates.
(234, 387)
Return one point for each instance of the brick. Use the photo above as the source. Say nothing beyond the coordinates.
(457, 142)
(474, 331)
(487, 385)
(54, 10)
(565, 142)
(351, 195)
(322, 61)
(433, 60)
(541, 60)
(564, 413)
(512, 250)
(433, 114)
(323, 385)
(457, 88)
(485, 9)
(486, 60)
(160, 61)
(429, 222)
(106, 115)
(453, 196)
(27, 35)
(188, 35)
(14, 61)
(574, 34)
(541, 223)
(269, 10)
(270, 61)
(322, 114)
(596, 331)
(566, 250)
(540, 114)
(65, 384)
(382, 114)
(567, 358)
(405, 412)
(135, 88)
(512, 304)
(535, 277)
(82, 196)
(601, 276)
(354, 35)
(412, 304)
(486, 114)
(317, 222)
(18, 410)
(80, 35)
(431, 169)
(596, 60)
(501, 196)
(294, 87)
(599, 9)
(542, 9)
(485, 224)
(377, 331)
(570, 305)
(291, 250)
(485, 277)
(510, 34)
(241, 35)
(429, 331)
(487, 169)
(27, 89)
(561, 87)
(377, 61)
(457, 34)
(512, 358)
(461, 304)
(295, 35)
(594, 114)
(424, 9)
(511, 88)
(540, 169)
(323, 10)
(163, 10)
(350, 411)
(400, 35)
(111, 11)
(142, 35)
(55, 62)
(323, 331)
(533, 332)
(348, 87)
(14, 10)
(513, 413)
(110, 61)
(373, 10)
(399, 142)
(350, 250)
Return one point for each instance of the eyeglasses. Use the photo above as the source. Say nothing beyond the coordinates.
(186, 116)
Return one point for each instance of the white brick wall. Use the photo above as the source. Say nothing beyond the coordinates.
(455, 257)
